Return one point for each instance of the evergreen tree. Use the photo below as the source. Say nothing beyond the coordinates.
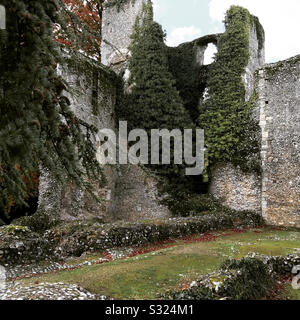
(154, 101)
(37, 126)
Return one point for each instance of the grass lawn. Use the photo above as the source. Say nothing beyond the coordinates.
(148, 275)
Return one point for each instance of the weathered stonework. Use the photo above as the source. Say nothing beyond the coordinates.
(2, 18)
(131, 193)
(279, 102)
(68, 202)
(256, 61)
(235, 189)
(137, 195)
(117, 29)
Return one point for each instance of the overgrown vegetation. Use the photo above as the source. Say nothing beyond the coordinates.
(153, 101)
(37, 125)
(190, 76)
(230, 130)
(245, 279)
(157, 100)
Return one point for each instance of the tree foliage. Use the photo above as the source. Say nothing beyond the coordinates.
(80, 26)
(154, 100)
(37, 126)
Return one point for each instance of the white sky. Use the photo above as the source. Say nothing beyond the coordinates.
(280, 19)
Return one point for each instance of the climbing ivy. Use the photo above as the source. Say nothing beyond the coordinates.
(230, 130)
(153, 101)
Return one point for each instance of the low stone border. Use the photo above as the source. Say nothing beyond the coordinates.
(19, 245)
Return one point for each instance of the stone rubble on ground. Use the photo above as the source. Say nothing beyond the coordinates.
(46, 291)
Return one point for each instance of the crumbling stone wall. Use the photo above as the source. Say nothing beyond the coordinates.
(129, 192)
(236, 189)
(117, 27)
(132, 194)
(279, 103)
(137, 195)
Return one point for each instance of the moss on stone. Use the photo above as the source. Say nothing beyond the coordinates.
(14, 230)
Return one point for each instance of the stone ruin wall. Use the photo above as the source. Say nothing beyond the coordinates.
(129, 193)
(116, 31)
(276, 194)
(279, 104)
(69, 202)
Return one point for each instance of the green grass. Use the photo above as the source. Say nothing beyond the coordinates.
(149, 275)
(291, 293)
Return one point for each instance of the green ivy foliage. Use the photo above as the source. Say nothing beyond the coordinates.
(37, 125)
(190, 76)
(230, 131)
(165, 88)
(153, 101)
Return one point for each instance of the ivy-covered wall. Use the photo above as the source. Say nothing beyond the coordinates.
(186, 66)
(232, 118)
(230, 131)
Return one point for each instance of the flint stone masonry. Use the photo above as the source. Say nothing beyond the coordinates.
(2, 18)
(137, 195)
(117, 29)
(235, 189)
(256, 61)
(19, 245)
(279, 102)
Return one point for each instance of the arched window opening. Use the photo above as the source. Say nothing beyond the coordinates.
(210, 53)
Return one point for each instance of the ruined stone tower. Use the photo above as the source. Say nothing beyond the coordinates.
(117, 27)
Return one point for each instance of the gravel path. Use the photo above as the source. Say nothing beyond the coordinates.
(14, 290)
